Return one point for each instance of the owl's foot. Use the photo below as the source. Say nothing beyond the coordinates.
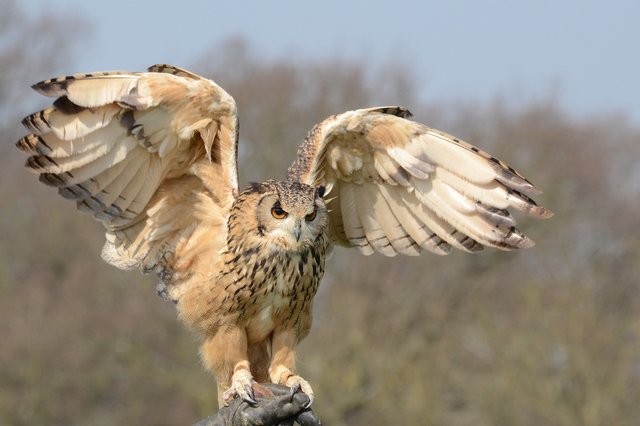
(297, 383)
(241, 386)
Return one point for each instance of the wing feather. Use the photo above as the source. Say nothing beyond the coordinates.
(405, 186)
(110, 194)
(69, 127)
(400, 239)
(353, 228)
(416, 228)
(374, 233)
(150, 154)
(88, 180)
(102, 142)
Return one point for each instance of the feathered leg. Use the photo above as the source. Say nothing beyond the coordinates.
(282, 369)
(225, 354)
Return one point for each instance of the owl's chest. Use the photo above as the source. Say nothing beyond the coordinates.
(276, 290)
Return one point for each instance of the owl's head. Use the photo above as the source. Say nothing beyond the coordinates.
(290, 214)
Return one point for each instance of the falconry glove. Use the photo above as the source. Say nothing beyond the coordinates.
(276, 405)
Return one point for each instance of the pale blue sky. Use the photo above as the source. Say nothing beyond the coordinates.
(586, 52)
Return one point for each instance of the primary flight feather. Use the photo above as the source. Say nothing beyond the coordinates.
(153, 156)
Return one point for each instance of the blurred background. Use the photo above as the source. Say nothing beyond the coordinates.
(547, 336)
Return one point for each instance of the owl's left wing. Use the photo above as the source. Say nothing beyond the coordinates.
(398, 186)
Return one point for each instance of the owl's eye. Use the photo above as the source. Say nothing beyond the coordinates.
(311, 216)
(278, 213)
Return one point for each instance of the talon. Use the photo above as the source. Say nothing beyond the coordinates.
(297, 383)
(310, 402)
(293, 390)
(249, 396)
(241, 386)
(228, 396)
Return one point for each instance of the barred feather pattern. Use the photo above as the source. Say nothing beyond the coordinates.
(150, 155)
(399, 186)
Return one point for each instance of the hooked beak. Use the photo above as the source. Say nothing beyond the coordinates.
(297, 229)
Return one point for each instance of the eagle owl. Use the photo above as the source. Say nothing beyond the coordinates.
(153, 156)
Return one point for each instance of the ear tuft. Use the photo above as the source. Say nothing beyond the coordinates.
(255, 187)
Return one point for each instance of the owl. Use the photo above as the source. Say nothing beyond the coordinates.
(153, 156)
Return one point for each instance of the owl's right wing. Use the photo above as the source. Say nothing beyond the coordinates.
(151, 155)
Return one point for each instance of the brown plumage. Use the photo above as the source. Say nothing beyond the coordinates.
(153, 156)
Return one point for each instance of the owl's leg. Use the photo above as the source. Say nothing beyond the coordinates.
(225, 354)
(282, 369)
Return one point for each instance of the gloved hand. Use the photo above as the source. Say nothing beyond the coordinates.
(276, 406)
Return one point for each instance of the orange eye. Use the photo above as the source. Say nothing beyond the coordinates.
(278, 213)
(311, 216)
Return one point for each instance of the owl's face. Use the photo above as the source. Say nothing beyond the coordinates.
(291, 214)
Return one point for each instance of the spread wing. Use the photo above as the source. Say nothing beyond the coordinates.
(397, 186)
(151, 155)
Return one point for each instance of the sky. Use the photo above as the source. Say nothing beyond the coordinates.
(585, 53)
